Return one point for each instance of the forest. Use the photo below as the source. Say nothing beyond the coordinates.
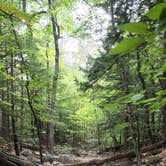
(82, 83)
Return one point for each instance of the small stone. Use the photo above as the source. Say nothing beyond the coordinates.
(26, 153)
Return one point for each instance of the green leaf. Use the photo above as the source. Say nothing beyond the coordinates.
(151, 36)
(11, 10)
(137, 97)
(137, 28)
(1, 65)
(146, 101)
(161, 93)
(5, 103)
(155, 12)
(7, 76)
(127, 45)
(164, 67)
(163, 102)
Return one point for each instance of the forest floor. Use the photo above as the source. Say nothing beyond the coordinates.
(156, 157)
(79, 157)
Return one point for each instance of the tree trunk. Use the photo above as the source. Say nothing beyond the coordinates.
(48, 91)
(56, 35)
(5, 121)
(163, 86)
(98, 132)
(131, 115)
(22, 91)
(144, 87)
(14, 132)
(22, 114)
(30, 102)
(24, 5)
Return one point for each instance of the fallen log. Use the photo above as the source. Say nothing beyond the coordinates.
(10, 160)
(153, 146)
(99, 162)
(32, 147)
(5, 162)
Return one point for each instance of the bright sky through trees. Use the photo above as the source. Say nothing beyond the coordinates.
(73, 46)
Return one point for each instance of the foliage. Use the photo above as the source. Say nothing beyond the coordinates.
(92, 104)
(127, 45)
(137, 28)
(12, 11)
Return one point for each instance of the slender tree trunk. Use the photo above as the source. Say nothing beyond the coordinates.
(24, 5)
(147, 111)
(98, 132)
(163, 86)
(126, 131)
(30, 102)
(56, 35)
(163, 120)
(131, 115)
(14, 132)
(5, 120)
(48, 87)
(22, 114)
(153, 122)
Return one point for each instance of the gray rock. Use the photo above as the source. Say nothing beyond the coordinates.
(26, 153)
(65, 158)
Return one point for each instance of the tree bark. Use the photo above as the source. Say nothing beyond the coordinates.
(163, 86)
(22, 91)
(5, 121)
(14, 133)
(24, 5)
(30, 102)
(144, 87)
(131, 114)
(56, 35)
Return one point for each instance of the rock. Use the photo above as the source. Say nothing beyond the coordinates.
(57, 163)
(37, 153)
(47, 164)
(65, 158)
(156, 151)
(126, 162)
(47, 157)
(26, 153)
(91, 153)
(153, 160)
(83, 152)
(146, 154)
(23, 157)
(164, 161)
(76, 151)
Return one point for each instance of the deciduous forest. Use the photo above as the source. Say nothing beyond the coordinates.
(82, 83)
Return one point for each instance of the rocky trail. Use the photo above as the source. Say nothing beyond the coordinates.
(152, 155)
